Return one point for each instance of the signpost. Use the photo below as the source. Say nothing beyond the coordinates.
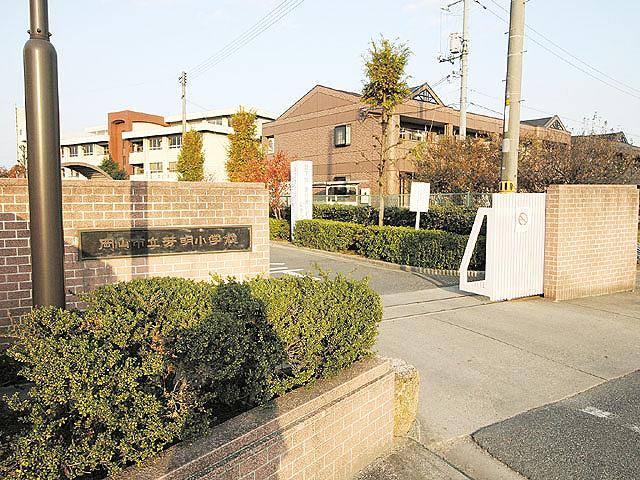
(419, 199)
(301, 192)
(43, 168)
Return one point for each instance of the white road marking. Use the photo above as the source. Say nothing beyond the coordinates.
(596, 412)
(280, 268)
(635, 428)
(277, 263)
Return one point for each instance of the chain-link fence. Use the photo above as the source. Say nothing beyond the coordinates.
(468, 199)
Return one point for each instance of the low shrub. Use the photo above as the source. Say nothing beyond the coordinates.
(419, 248)
(151, 362)
(324, 326)
(327, 235)
(454, 219)
(401, 245)
(279, 229)
(9, 369)
(361, 214)
(147, 363)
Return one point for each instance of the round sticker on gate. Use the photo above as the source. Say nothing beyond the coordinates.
(522, 220)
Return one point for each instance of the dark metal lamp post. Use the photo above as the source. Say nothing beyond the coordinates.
(43, 147)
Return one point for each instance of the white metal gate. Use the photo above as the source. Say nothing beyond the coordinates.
(515, 247)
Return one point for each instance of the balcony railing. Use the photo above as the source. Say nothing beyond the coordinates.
(418, 135)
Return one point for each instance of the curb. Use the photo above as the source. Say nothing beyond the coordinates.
(467, 456)
(379, 263)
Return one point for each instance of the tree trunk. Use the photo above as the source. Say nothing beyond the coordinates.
(381, 203)
(382, 170)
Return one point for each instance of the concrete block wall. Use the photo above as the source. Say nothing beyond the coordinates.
(590, 241)
(123, 204)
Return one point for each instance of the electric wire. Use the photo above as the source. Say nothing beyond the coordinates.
(560, 47)
(560, 57)
(267, 21)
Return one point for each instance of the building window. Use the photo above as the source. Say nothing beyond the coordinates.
(175, 141)
(105, 149)
(216, 121)
(155, 167)
(136, 146)
(271, 145)
(73, 151)
(342, 136)
(87, 149)
(138, 170)
(173, 166)
(155, 143)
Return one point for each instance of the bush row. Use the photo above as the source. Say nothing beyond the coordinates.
(452, 219)
(151, 362)
(401, 245)
(279, 229)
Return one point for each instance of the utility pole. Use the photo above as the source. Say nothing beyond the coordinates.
(459, 48)
(464, 69)
(183, 82)
(511, 129)
(43, 145)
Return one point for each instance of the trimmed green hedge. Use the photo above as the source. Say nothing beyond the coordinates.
(151, 362)
(448, 218)
(401, 245)
(279, 229)
(419, 248)
(327, 235)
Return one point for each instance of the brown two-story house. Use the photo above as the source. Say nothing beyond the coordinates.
(337, 131)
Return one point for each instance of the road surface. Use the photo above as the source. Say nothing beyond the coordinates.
(549, 388)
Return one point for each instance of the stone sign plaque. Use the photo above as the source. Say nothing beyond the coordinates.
(142, 242)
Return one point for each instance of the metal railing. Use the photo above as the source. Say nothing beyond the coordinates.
(468, 199)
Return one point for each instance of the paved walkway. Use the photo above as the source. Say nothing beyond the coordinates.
(482, 363)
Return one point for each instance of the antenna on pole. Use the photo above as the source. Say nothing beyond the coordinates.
(183, 82)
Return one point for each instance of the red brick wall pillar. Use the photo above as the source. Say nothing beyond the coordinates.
(590, 242)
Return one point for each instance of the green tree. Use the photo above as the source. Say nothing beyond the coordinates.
(245, 156)
(385, 87)
(190, 165)
(110, 167)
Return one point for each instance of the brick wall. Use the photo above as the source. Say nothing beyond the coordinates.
(327, 432)
(590, 242)
(109, 204)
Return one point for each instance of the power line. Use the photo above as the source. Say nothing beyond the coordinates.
(267, 21)
(555, 54)
(240, 37)
(560, 47)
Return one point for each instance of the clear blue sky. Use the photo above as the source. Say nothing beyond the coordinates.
(119, 54)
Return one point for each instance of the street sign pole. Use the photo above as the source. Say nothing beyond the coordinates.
(43, 164)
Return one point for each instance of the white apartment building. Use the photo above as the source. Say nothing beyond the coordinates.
(147, 146)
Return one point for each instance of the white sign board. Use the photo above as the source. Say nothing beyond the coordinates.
(301, 192)
(419, 198)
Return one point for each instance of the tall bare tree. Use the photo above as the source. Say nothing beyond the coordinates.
(384, 89)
